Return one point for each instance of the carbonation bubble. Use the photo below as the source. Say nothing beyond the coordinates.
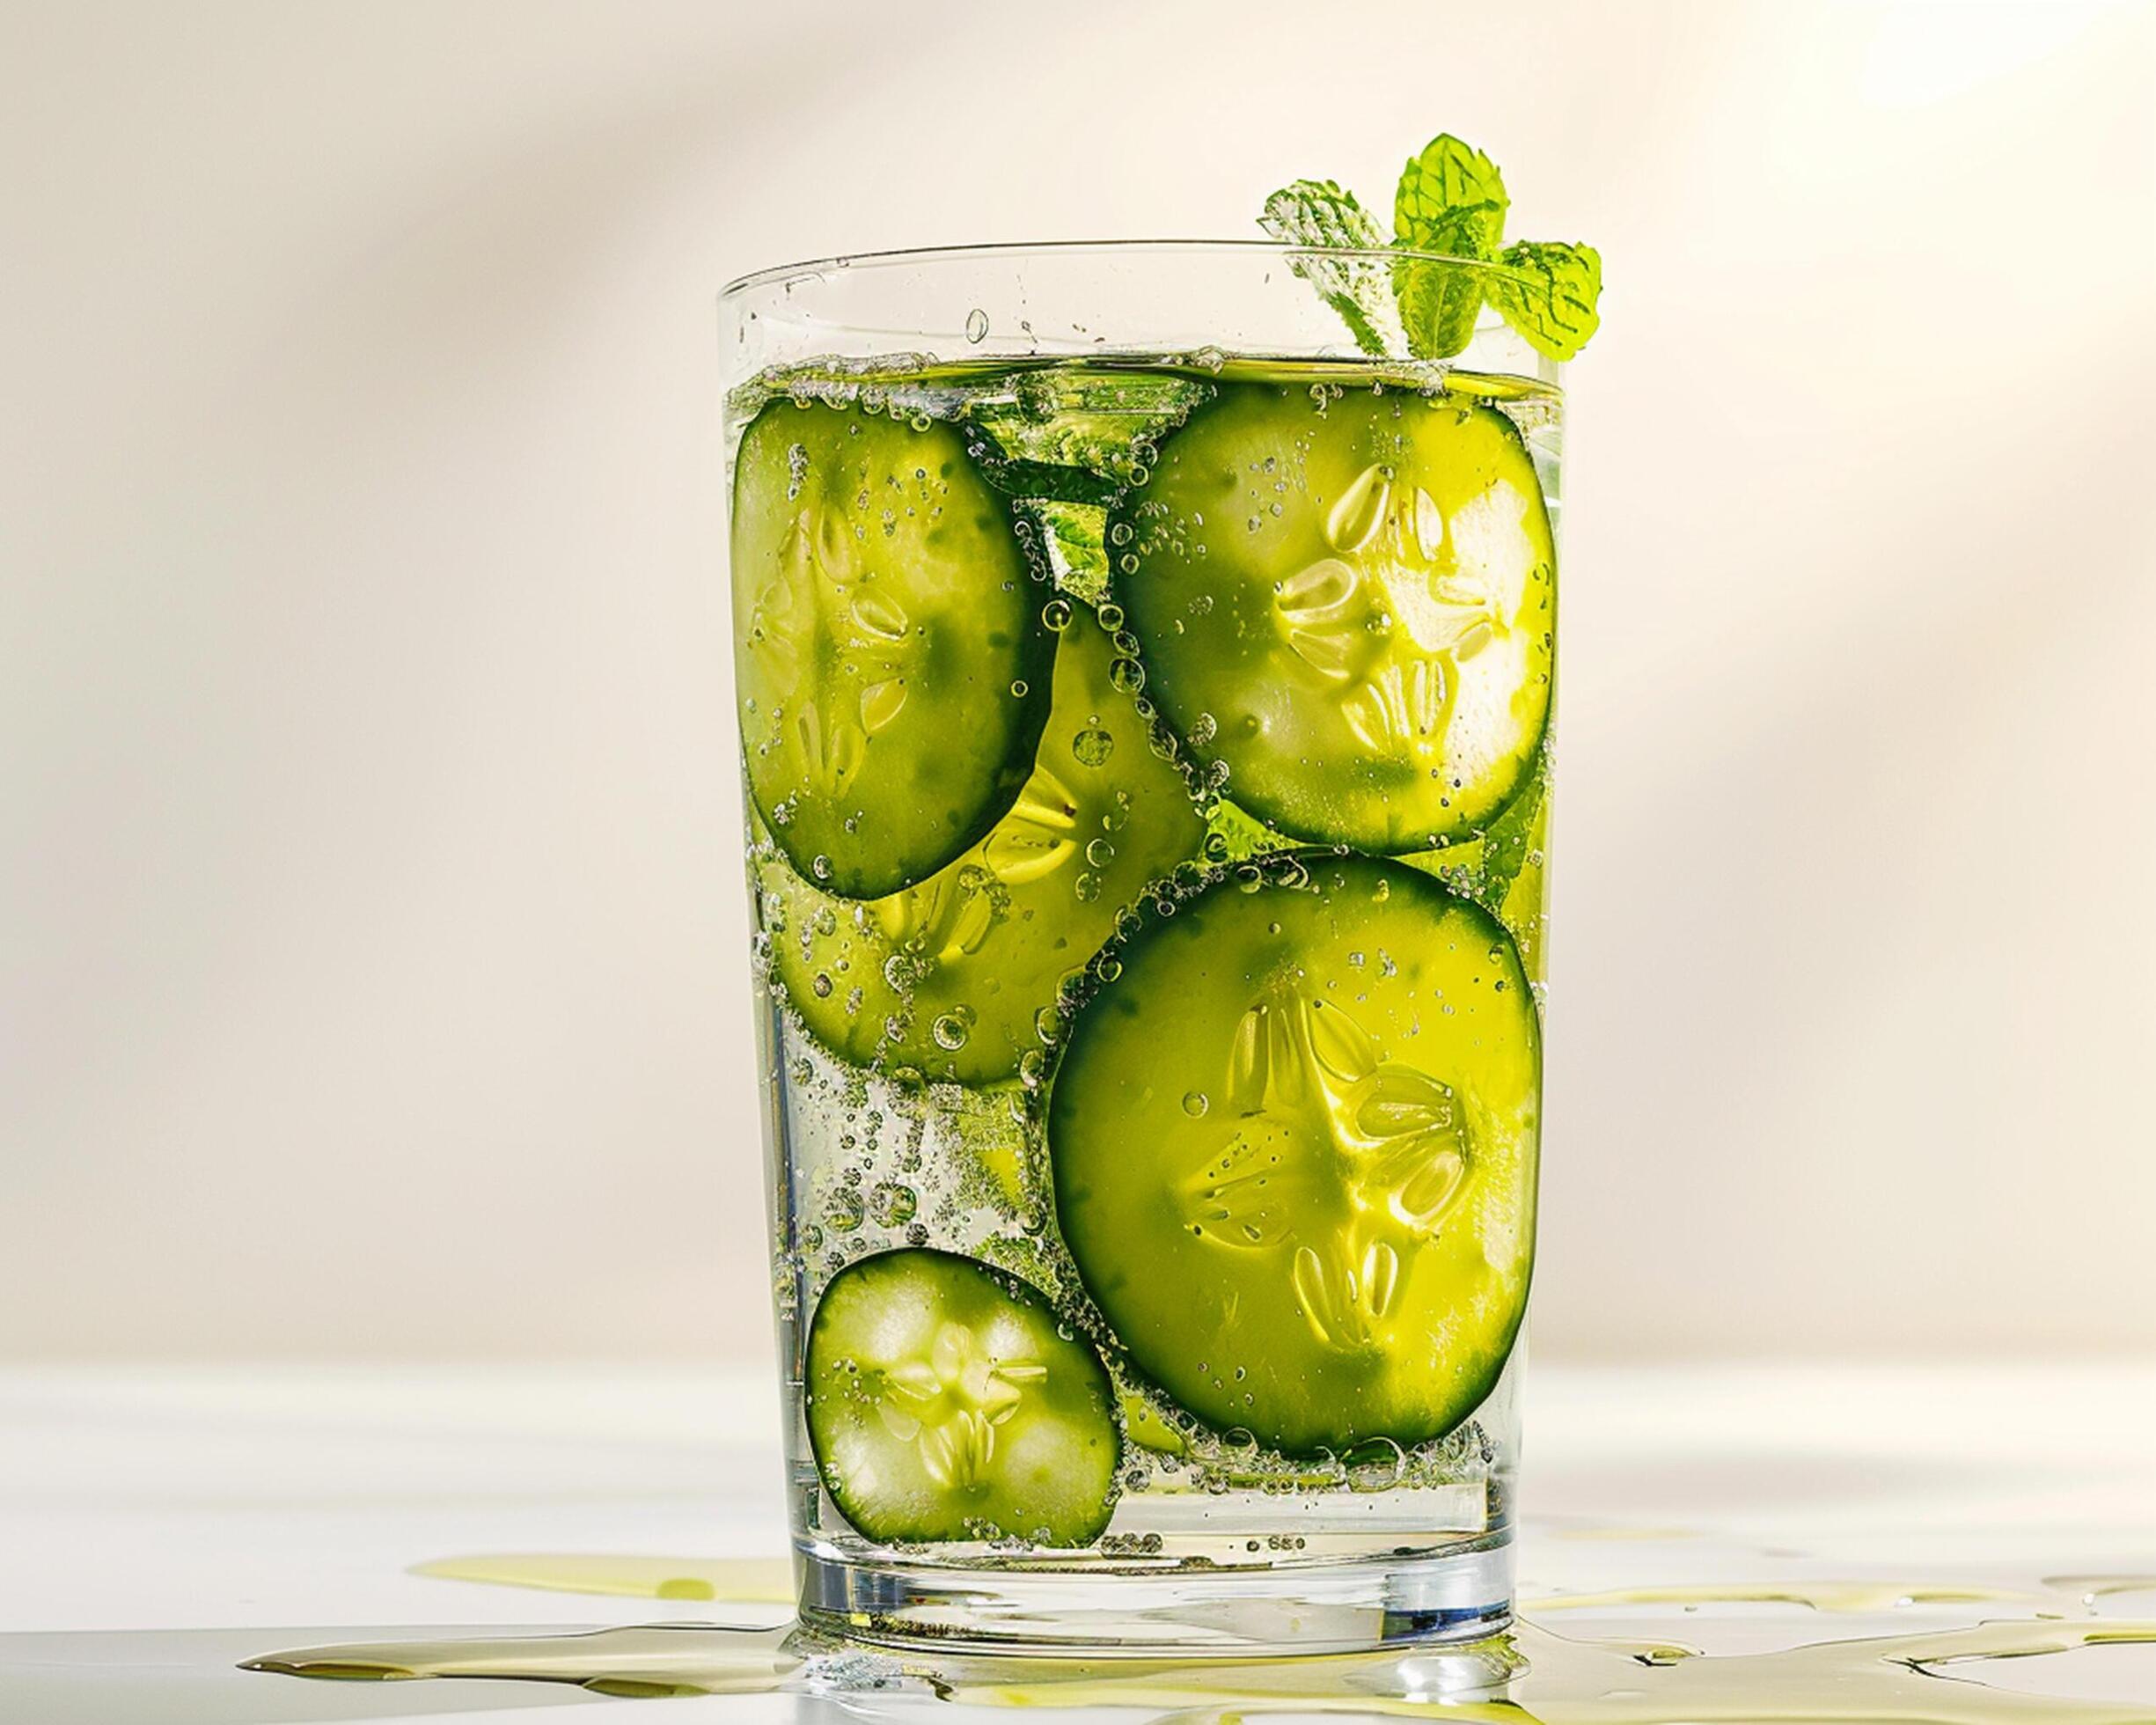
(843, 1210)
(1195, 1103)
(1100, 853)
(1056, 614)
(821, 984)
(1087, 886)
(1092, 747)
(1374, 1465)
(950, 1032)
(894, 1205)
(977, 326)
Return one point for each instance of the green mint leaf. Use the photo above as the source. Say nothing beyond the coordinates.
(1550, 296)
(1451, 199)
(1316, 212)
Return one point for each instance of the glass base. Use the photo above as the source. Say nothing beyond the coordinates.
(1408, 1597)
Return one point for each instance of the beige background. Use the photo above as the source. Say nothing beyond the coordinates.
(371, 974)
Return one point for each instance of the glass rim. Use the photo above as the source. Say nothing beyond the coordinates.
(809, 268)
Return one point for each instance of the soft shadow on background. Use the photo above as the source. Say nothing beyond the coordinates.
(375, 973)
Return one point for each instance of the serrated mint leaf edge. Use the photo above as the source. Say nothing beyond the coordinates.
(1533, 297)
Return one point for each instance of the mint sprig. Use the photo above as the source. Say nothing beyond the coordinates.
(1451, 199)
(1316, 212)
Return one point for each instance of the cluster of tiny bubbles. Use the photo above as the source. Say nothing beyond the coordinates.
(1036, 396)
(1056, 614)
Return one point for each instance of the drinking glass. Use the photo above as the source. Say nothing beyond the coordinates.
(1146, 713)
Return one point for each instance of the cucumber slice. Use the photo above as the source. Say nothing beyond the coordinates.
(891, 662)
(1294, 1147)
(949, 977)
(943, 1403)
(1347, 597)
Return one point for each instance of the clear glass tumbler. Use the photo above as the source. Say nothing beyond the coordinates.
(1145, 700)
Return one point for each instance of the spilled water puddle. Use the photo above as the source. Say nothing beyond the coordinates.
(1938, 1676)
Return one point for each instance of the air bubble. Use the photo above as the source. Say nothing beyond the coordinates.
(1195, 1103)
(951, 1031)
(1056, 614)
(844, 1210)
(1100, 853)
(894, 1205)
(1092, 747)
(977, 326)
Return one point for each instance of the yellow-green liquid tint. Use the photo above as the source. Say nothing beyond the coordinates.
(947, 978)
(916, 1033)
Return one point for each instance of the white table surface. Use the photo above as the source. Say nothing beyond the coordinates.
(156, 1526)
